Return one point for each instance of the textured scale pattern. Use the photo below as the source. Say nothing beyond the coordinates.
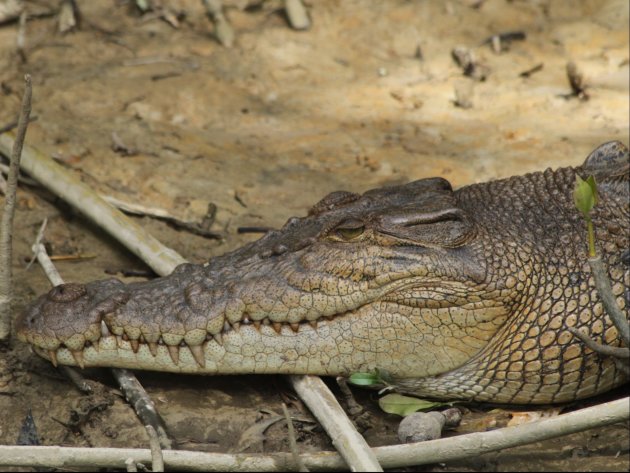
(464, 294)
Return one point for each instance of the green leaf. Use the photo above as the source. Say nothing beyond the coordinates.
(585, 194)
(590, 180)
(405, 405)
(365, 379)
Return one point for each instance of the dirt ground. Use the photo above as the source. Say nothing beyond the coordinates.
(370, 95)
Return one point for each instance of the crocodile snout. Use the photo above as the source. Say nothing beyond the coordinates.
(70, 315)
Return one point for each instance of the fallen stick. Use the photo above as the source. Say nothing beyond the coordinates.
(163, 260)
(70, 188)
(6, 224)
(348, 442)
(396, 456)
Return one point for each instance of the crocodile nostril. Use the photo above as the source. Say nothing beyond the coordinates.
(67, 292)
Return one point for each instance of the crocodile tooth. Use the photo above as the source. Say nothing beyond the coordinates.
(257, 324)
(266, 321)
(125, 337)
(104, 329)
(197, 353)
(153, 348)
(277, 326)
(135, 345)
(295, 327)
(119, 341)
(173, 350)
(219, 338)
(78, 357)
(226, 326)
(245, 319)
(53, 357)
(313, 323)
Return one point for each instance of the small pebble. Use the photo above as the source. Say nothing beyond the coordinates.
(421, 426)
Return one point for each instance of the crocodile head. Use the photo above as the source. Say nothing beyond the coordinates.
(391, 279)
(416, 280)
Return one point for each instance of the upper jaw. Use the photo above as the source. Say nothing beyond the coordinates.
(70, 314)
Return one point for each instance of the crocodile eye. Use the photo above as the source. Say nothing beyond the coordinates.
(350, 230)
(350, 233)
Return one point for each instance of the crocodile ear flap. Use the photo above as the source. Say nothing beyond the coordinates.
(609, 163)
(446, 228)
(432, 218)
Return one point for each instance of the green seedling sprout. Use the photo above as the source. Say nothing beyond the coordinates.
(585, 198)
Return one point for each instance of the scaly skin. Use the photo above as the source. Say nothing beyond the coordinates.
(461, 294)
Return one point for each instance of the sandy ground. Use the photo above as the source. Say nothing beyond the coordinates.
(367, 97)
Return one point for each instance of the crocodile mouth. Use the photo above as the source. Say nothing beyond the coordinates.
(91, 334)
(142, 348)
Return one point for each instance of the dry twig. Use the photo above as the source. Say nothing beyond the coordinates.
(6, 224)
(348, 442)
(157, 459)
(396, 456)
(67, 186)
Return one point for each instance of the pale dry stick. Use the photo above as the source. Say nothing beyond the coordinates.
(137, 209)
(297, 14)
(157, 459)
(222, 28)
(348, 442)
(395, 456)
(70, 188)
(20, 40)
(6, 224)
(133, 391)
(38, 239)
(130, 464)
(4, 169)
(163, 260)
(10, 10)
(39, 250)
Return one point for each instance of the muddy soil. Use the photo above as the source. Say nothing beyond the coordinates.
(368, 96)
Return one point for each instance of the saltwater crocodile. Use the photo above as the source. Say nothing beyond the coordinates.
(463, 294)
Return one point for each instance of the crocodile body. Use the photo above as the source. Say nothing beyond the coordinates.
(463, 294)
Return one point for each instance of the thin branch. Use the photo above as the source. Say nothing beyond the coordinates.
(396, 456)
(619, 355)
(66, 185)
(77, 379)
(222, 28)
(130, 464)
(602, 282)
(6, 224)
(138, 398)
(297, 14)
(157, 458)
(607, 350)
(348, 442)
(49, 268)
